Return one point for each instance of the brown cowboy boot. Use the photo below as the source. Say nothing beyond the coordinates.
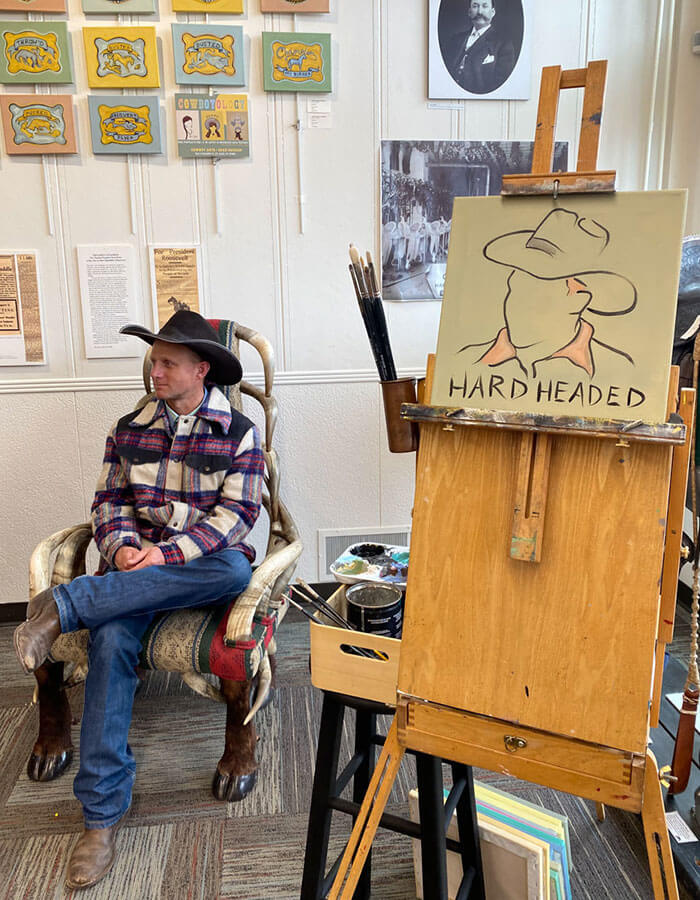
(93, 855)
(38, 602)
(33, 638)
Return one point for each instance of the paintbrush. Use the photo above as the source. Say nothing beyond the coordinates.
(367, 318)
(322, 604)
(375, 302)
(308, 615)
(368, 654)
(370, 303)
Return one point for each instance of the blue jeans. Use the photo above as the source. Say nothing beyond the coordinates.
(118, 607)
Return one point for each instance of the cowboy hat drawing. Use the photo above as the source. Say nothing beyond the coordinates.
(557, 273)
(566, 245)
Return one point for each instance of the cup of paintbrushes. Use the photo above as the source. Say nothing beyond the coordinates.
(401, 433)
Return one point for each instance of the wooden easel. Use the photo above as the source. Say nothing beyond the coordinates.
(535, 621)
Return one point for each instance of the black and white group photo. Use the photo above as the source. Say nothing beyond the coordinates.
(420, 179)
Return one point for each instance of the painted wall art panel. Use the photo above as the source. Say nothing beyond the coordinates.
(561, 307)
(479, 50)
(212, 126)
(234, 7)
(35, 52)
(38, 123)
(295, 6)
(119, 7)
(296, 62)
(28, 6)
(209, 54)
(125, 124)
(121, 56)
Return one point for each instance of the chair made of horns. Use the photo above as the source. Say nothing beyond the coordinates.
(242, 636)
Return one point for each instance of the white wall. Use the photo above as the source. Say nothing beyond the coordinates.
(294, 287)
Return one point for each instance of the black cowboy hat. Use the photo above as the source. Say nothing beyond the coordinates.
(192, 330)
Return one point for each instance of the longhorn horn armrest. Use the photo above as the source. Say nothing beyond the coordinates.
(240, 619)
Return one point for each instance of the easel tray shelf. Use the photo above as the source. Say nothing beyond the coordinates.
(670, 433)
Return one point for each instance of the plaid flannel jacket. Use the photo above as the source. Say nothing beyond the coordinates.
(192, 493)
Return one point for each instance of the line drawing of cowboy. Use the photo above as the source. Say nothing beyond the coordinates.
(557, 275)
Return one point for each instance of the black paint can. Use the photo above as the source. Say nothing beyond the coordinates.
(375, 608)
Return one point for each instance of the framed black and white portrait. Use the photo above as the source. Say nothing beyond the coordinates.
(479, 49)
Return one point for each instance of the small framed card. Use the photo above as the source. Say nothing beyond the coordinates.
(118, 7)
(209, 6)
(209, 54)
(25, 6)
(296, 62)
(35, 52)
(38, 123)
(121, 57)
(125, 124)
(294, 6)
(212, 126)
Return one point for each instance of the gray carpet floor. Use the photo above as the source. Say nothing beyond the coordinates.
(181, 843)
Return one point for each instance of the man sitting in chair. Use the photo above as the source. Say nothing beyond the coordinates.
(180, 489)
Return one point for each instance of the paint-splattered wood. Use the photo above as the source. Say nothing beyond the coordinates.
(591, 115)
(530, 497)
(662, 433)
(566, 183)
(676, 507)
(567, 645)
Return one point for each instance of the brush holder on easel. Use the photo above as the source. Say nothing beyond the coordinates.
(401, 433)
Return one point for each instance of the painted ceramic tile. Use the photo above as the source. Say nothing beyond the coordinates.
(212, 126)
(295, 6)
(296, 62)
(29, 6)
(38, 123)
(208, 6)
(121, 57)
(125, 124)
(209, 54)
(118, 7)
(35, 52)
(561, 308)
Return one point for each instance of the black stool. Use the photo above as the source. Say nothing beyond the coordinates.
(435, 814)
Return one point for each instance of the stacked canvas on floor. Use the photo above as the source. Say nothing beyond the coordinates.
(525, 849)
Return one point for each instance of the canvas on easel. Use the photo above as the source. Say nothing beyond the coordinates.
(561, 307)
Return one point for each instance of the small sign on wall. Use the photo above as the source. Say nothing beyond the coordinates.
(38, 123)
(31, 6)
(21, 340)
(212, 126)
(294, 6)
(209, 54)
(208, 6)
(35, 53)
(108, 298)
(121, 57)
(175, 281)
(125, 124)
(296, 62)
(119, 7)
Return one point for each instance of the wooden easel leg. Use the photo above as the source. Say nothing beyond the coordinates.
(663, 874)
(600, 811)
(368, 818)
